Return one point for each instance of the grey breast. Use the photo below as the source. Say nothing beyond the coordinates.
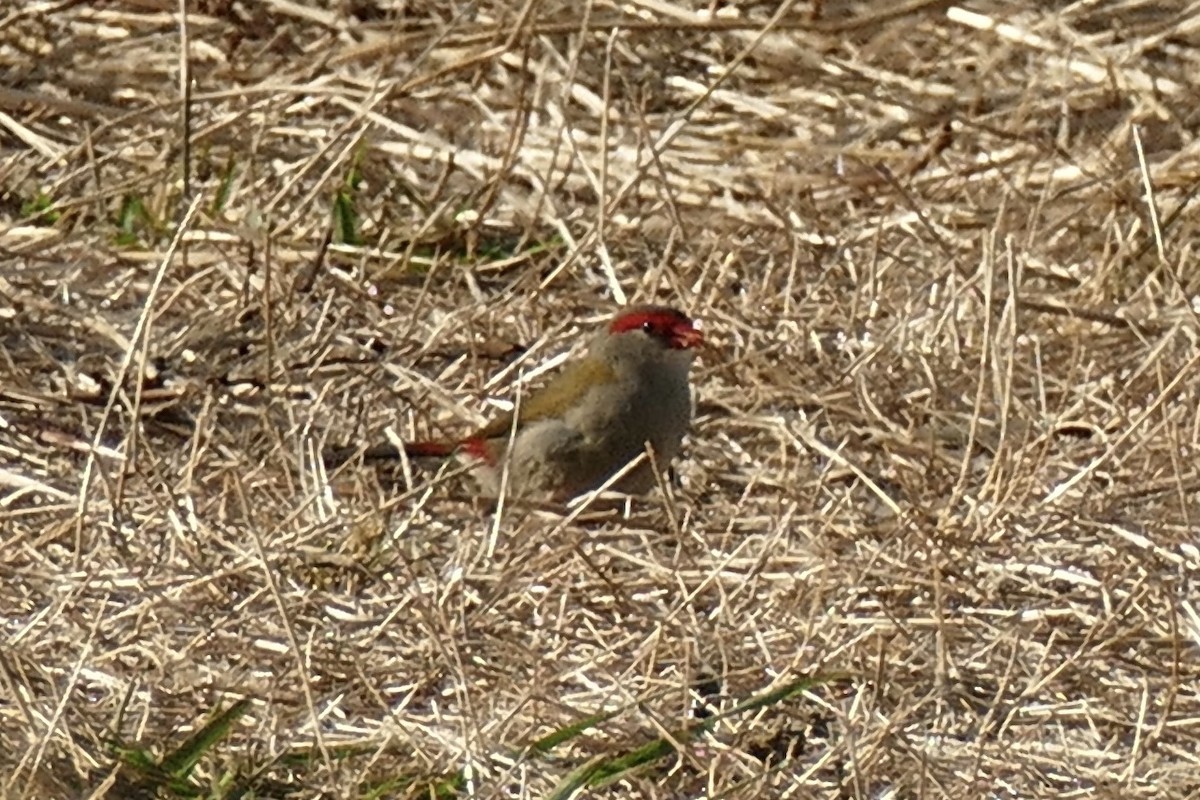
(657, 408)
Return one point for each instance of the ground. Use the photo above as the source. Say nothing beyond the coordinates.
(933, 531)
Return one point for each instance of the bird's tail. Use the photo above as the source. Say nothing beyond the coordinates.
(429, 449)
(386, 452)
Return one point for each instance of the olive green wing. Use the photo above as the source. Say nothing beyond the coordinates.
(563, 391)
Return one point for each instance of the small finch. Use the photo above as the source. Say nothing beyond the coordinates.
(628, 392)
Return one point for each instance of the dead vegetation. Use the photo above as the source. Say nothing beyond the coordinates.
(945, 440)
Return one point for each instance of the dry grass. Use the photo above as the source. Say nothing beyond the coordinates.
(946, 441)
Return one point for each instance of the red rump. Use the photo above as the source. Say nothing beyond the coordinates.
(477, 448)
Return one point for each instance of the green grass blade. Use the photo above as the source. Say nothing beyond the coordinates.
(184, 759)
(150, 774)
(225, 188)
(555, 738)
(345, 219)
(40, 210)
(606, 769)
(132, 216)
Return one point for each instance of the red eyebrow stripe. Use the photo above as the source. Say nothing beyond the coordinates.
(636, 319)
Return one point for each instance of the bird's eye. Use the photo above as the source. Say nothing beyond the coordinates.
(648, 326)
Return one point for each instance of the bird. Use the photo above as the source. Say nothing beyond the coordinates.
(627, 392)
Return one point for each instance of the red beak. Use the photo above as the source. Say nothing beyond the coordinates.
(686, 338)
